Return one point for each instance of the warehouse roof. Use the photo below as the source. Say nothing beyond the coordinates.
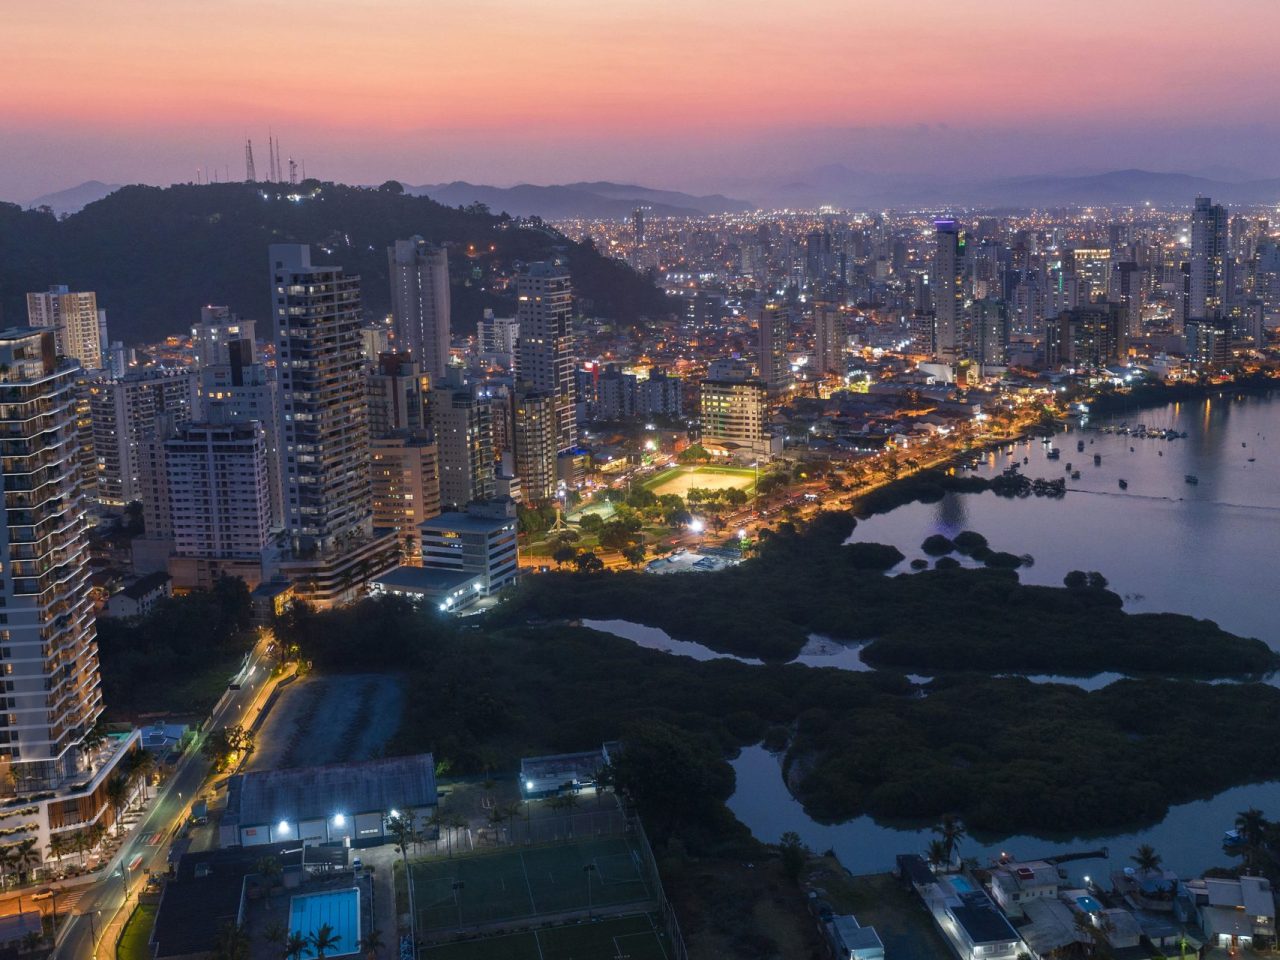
(313, 793)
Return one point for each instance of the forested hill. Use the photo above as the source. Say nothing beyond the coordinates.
(156, 255)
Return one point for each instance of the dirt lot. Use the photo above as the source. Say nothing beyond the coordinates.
(880, 901)
(329, 720)
(728, 908)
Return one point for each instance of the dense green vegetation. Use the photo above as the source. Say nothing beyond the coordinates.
(179, 657)
(943, 619)
(1004, 754)
(1109, 403)
(155, 256)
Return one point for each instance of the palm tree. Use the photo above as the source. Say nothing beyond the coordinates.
(269, 869)
(951, 829)
(143, 765)
(25, 857)
(7, 863)
(323, 940)
(117, 795)
(1252, 825)
(294, 946)
(232, 943)
(276, 933)
(936, 852)
(372, 942)
(1147, 859)
(60, 844)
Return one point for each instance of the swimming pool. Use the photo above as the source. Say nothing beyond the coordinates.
(340, 909)
(1089, 905)
(960, 884)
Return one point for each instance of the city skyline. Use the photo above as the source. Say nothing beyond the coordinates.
(699, 96)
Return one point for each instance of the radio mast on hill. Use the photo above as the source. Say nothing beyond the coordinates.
(249, 173)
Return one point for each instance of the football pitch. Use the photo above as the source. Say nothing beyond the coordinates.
(621, 938)
(680, 480)
(522, 884)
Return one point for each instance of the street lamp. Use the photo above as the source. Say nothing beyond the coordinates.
(457, 901)
(589, 869)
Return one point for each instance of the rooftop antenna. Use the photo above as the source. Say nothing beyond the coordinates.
(249, 174)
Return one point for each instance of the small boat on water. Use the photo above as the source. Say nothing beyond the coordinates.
(1124, 484)
(1026, 459)
(1075, 474)
(1131, 449)
(1054, 453)
(1252, 459)
(1191, 478)
(1080, 445)
(1097, 459)
(1232, 839)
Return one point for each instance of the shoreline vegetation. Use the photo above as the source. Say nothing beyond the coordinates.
(950, 618)
(1005, 755)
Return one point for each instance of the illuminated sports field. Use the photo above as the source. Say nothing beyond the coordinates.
(680, 480)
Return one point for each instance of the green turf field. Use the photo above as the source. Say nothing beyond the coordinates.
(680, 480)
(622, 938)
(525, 883)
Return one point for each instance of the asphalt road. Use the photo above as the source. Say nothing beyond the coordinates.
(100, 911)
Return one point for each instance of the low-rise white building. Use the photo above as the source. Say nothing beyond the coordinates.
(481, 541)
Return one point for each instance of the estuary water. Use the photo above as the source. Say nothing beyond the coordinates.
(1207, 549)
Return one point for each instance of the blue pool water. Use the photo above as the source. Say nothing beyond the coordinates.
(340, 909)
(1089, 905)
(961, 884)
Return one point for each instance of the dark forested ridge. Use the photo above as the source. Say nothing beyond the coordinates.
(156, 255)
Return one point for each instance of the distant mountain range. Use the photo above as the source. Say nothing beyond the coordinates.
(75, 199)
(842, 187)
(600, 200)
(833, 184)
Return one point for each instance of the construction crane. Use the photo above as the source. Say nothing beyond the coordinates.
(249, 173)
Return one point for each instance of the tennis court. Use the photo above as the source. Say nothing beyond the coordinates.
(518, 884)
(622, 938)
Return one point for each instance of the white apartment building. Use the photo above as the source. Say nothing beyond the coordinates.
(75, 321)
(324, 429)
(406, 487)
(480, 541)
(49, 695)
(544, 298)
(126, 413)
(420, 304)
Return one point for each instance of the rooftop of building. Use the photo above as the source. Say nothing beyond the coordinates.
(205, 894)
(982, 921)
(430, 580)
(146, 584)
(315, 793)
(583, 765)
(853, 935)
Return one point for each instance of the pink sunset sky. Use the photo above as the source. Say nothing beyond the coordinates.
(701, 94)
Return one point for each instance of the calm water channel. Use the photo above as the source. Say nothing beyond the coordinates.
(1206, 549)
